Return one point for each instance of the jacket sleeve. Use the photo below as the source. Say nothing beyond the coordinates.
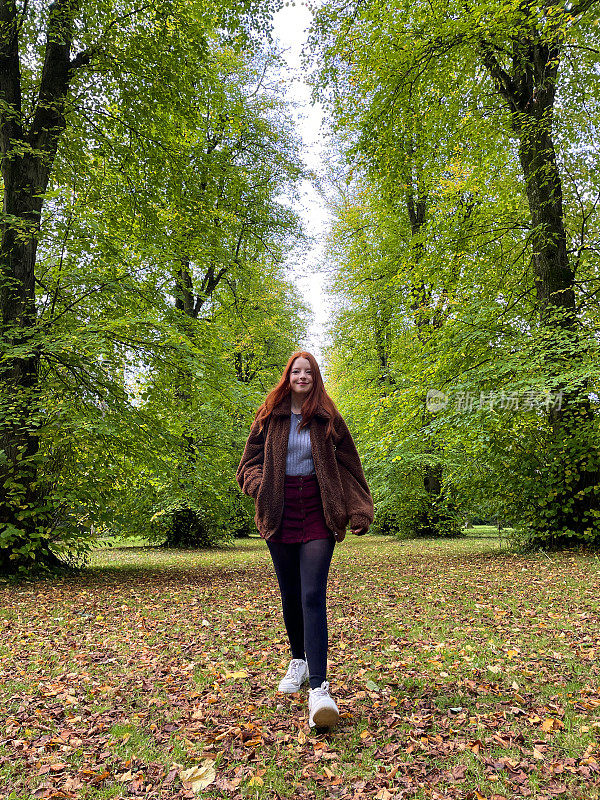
(249, 472)
(359, 503)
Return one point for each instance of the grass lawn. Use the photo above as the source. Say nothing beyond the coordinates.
(460, 671)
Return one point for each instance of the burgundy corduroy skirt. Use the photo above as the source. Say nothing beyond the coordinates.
(303, 518)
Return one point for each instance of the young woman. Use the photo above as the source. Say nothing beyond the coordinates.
(302, 469)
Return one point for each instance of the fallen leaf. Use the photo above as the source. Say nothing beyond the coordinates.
(550, 724)
(198, 778)
(100, 776)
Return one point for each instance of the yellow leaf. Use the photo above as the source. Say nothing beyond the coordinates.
(198, 778)
(548, 725)
(256, 780)
(301, 737)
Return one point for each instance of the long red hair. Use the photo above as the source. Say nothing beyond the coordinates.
(317, 397)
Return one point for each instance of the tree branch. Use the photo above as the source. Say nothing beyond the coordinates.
(581, 8)
(82, 59)
(48, 120)
(500, 76)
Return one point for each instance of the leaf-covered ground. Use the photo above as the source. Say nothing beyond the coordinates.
(460, 671)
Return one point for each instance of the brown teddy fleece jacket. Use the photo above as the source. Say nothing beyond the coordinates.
(344, 491)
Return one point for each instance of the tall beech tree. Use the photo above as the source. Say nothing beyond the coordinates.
(513, 63)
(29, 142)
(67, 71)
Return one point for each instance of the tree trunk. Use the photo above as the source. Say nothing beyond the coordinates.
(429, 521)
(27, 159)
(381, 318)
(416, 208)
(188, 529)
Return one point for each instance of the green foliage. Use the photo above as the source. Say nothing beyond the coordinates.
(437, 247)
(417, 515)
(162, 312)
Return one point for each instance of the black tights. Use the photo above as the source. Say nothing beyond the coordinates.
(302, 571)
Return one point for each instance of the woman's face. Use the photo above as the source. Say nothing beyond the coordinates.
(301, 377)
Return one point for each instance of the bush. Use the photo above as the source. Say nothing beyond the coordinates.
(419, 515)
(387, 522)
(240, 524)
(549, 487)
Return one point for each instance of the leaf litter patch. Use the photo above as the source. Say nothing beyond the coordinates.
(457, 675)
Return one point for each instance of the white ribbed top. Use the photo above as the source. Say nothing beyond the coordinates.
(299, 459)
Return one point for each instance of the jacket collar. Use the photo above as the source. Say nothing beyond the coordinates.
(284, 409)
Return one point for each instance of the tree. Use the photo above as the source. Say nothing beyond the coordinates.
(92, 71)
(490, 76)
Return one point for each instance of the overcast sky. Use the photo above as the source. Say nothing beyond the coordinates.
(291, 25)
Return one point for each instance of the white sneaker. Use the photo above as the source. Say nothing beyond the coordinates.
(295, 676)
(322, 710)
